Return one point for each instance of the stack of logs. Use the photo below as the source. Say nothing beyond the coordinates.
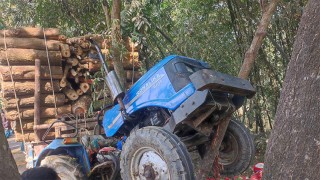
(81, 61)
(73, 61)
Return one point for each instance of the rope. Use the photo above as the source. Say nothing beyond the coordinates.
(54, 97)
(14, 89)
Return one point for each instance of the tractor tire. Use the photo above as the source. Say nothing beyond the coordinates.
(237, 149)
(66, 167)
(155, 153)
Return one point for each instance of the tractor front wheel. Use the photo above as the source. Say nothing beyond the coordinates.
(154, 153)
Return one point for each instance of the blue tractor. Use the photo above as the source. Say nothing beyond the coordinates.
(172, 109)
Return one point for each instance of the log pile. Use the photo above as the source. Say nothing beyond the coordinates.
(20, 47)
(80, 62)
(73, 62)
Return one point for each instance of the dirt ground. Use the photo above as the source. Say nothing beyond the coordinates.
(18, 155)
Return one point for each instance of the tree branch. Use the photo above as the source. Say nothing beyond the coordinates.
(106, 10)
(261, 32)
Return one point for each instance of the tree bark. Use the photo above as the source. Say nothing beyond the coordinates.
(30, 136)
(20, 57)
(106, 10)
(94, 67)
(116, 41)
(27, 125)
(294, 145)
(25, 113)
(9, 169)
(260, 34)
(30, 32)
(29, 43)
(82, 105)
(47, 100)
(71, 93)
(27, 72)
(27, 88)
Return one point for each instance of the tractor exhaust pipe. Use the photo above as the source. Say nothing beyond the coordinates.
(117, 91)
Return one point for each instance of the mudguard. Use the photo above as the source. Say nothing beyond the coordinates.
(76, 150)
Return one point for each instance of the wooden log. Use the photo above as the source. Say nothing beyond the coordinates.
(78, 40)
(62, 38)
(27, 56)
(47, 100)
(84, 87)
(30, 136)
(29, 43)
(63, 81)
(73, 61)
(132, 56)
(87, 60)
(65, 50)
(76, 50)
(27, 88)
(76, 79)
(37, 102)
(70, 93)
(31, 32)
(27, 113)
(28, 124)
(27, 72)
(73, 72)
(79, 92)
(82, 105)
(94, 67)
(130, 45)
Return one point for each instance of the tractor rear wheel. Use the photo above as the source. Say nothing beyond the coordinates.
(154, 153)
(66, 167)
(237, 149)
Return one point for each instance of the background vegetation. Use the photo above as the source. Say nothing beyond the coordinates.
(216, 31)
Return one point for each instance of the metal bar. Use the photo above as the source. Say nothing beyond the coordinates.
(37, 103)
(46, 126)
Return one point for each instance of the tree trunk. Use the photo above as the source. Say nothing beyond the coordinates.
(247, 65)
(27, 72)
(116, 41)
(260, 34)
(27, 88)
(19, 57)
(30, 32)
(25, 113)
(30, 43)
(9, 169)
(294, 145)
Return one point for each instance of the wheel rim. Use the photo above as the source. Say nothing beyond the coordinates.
(229, 150)
(147, 164)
